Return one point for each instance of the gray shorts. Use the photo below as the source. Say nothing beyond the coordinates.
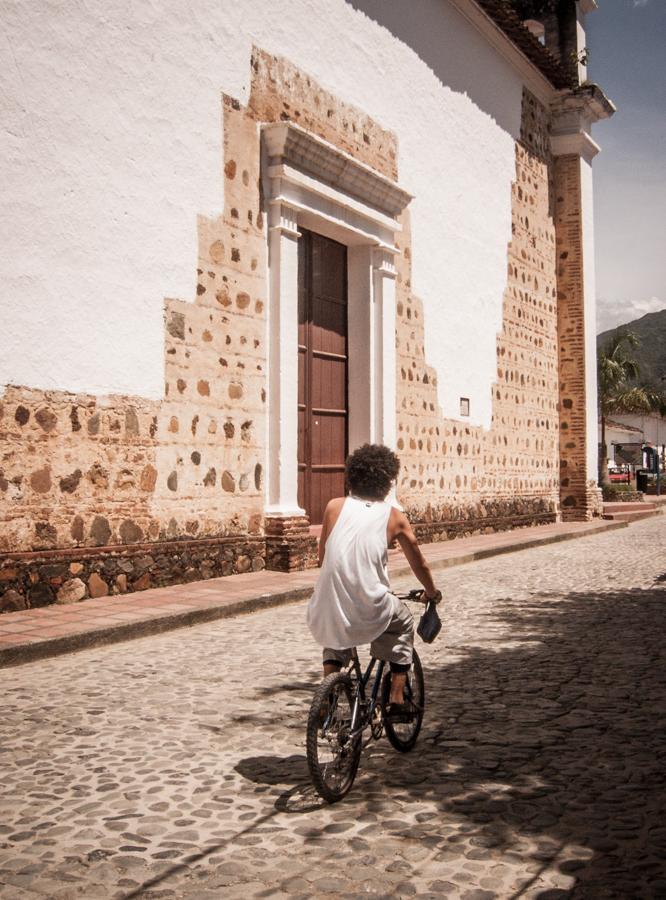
(395, 645)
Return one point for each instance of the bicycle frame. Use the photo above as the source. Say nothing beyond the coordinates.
(361, 709)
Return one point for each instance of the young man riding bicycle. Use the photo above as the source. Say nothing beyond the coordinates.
(352, 602)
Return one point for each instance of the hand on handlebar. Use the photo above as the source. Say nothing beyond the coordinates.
(419, 595)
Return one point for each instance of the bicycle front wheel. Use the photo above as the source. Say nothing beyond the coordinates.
(333, 755)
(403, 735)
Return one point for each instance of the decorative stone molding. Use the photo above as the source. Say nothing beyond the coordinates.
(289, 145)
(573, 114)
(579, 144)
(284, 219)
(383, 262)
(310, 183)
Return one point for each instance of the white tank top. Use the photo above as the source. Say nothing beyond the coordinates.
(352, 603)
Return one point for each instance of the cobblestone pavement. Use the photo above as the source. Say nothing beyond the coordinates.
(174, 766)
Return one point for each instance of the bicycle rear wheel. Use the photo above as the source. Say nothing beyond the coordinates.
(403, 735)
(333, 756)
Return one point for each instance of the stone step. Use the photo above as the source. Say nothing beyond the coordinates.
(631, 516)
(627, 507)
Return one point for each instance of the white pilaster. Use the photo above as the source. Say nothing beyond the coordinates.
(384, 386)
(361, 347)
(282, 481)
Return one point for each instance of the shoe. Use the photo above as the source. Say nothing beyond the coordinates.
(399, 712)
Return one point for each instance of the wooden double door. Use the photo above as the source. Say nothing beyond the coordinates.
(322, 372)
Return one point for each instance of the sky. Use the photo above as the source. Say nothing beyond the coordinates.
(627, 46)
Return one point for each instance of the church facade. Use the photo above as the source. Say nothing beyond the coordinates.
(242, 243)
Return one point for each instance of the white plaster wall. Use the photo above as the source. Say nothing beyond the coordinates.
(111, 144)
(652, 426)
(619, 436)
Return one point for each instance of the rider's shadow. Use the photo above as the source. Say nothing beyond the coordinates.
(274, 769)
(301, 797)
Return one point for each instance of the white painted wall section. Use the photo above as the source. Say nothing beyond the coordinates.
(111, 141)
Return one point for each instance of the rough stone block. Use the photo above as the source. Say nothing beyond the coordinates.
(71, 591)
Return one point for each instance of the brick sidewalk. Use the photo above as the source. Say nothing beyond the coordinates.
(37, 633)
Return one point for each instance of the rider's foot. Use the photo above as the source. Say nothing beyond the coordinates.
(398, 680)
(399, 712)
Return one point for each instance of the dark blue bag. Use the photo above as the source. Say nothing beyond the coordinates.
(430, 624)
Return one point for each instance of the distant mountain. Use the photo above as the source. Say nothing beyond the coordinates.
(651, 354)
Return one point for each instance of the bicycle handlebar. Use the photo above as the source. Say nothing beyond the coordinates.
(417, 595)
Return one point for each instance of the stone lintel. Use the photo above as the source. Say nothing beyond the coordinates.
(286, 142)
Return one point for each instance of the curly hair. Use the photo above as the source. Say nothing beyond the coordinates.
(370, 469)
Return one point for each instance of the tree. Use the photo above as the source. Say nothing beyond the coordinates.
(616, 374)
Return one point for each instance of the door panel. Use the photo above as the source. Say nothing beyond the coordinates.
(322, 385)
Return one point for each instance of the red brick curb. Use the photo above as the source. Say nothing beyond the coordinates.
(31, 635)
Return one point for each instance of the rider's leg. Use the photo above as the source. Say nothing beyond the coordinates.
(334, 660)
(398, 680)
(396, 645)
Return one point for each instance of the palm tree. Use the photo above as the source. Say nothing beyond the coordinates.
(616, 370)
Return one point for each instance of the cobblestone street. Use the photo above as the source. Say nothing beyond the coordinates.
(174, 766)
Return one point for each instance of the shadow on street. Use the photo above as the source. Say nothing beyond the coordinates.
(557, 735)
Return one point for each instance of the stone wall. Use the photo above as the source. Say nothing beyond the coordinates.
(90, 471)
(185, 473)
(113, 494)
(174, 487)
(465, 478)
(30, 580)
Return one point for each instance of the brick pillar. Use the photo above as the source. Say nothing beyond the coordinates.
(579, 499)
(573, 150)
(289, 545)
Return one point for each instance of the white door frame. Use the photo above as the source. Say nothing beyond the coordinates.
(308, 182)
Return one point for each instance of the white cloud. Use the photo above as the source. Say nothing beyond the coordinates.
(640, 3)
(611, 313)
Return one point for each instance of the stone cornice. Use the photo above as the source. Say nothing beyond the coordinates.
(289, 144)
(577, 144)
(573, 114)
(598, 104)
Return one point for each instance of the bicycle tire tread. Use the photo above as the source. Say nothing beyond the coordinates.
(321, 694)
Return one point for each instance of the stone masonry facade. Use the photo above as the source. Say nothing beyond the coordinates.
(461, 479)
(111, 494)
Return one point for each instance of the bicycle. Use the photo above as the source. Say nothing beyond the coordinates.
(340, 712)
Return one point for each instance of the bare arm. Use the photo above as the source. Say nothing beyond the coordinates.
(331, 514)
(400, 529)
